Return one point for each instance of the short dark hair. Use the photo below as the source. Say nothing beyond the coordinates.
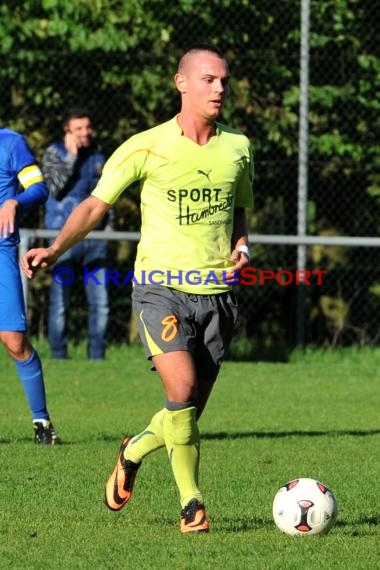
(203, 46)
(76, 113)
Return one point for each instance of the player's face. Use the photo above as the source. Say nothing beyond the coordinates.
(81, 130)
(204, 84)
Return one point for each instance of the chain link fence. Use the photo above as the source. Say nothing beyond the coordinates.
(63, 60)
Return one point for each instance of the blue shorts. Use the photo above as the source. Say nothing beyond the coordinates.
(12, 307)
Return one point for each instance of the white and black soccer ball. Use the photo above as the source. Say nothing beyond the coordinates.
(304, 507)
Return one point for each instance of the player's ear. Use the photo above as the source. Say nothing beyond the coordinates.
(180, 82)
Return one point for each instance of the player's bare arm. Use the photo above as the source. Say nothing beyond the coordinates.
(81, 221)
(239, 244)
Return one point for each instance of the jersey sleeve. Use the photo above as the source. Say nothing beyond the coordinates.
(125, 166)
(28, 172)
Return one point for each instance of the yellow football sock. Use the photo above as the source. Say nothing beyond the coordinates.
(149, 440)
(182, 440)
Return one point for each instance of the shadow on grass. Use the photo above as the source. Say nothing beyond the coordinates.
(353, 528)
(278, 434)
(103, 437)
(234, 524)
(97, 437)
(374, 520)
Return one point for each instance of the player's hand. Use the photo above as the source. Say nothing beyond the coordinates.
(72, 143)
(7, 218)
(38, 258)
(240, 260)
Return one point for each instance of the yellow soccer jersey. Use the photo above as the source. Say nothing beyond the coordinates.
(188, 196)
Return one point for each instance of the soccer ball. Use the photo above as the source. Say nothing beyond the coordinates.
(304, 507)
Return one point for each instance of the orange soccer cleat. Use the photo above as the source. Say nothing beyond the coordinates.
(193, 518)
(120, 484)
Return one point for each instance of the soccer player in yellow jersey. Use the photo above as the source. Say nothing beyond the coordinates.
(196, 181)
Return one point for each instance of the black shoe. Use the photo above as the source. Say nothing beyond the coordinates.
(44, 433)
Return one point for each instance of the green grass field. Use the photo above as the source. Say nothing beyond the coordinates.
(315, 416)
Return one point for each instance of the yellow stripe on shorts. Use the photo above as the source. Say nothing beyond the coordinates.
(153, 347)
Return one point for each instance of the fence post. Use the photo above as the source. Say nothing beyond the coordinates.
(303, 167)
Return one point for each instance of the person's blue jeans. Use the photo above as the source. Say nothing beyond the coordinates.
(88, 253)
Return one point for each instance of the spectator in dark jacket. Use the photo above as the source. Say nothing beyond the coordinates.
(72, 168)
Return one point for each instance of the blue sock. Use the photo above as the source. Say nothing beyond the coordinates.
(31, 376)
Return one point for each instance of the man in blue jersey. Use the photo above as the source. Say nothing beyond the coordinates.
(18, 167)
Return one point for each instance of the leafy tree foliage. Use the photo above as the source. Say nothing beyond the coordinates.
(118, 57)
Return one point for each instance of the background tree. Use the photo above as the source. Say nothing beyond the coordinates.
(118, 58)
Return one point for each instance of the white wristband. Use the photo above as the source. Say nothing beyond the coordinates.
(244, 249)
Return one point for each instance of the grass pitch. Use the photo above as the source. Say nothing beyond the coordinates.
(316, 416)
